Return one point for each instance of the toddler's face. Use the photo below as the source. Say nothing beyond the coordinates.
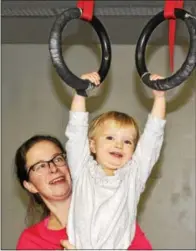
(113, 146)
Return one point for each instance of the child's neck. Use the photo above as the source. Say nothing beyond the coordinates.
(108, 172)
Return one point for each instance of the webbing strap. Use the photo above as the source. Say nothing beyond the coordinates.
(87, 9)
(170, 5)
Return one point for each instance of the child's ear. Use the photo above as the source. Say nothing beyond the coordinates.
(92, 145)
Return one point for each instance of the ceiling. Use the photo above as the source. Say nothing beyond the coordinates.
(30, 21)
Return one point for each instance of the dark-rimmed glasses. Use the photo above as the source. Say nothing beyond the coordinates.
(41, 166)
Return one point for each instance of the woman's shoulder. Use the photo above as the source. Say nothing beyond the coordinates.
(39, 236)
(27, 238)
(34, 228)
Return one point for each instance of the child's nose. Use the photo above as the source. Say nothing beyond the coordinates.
(119, 144)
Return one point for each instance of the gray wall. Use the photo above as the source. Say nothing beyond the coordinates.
(34, 100)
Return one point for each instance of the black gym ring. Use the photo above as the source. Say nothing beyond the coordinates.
(187, 67)
(55, 48)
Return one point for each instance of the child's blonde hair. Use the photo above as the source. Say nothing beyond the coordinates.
(122, 119)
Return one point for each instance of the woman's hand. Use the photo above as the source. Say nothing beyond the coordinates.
(67, 245)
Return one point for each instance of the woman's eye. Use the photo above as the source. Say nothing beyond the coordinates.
(41, 165)
(59, 159)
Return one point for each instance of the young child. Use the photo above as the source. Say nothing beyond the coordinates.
(109, 169)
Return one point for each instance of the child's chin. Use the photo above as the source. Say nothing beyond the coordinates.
(115, 167)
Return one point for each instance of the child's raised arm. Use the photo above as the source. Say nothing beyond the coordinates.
(77, 146)
(150, 143)
(79, 102)
(159, 105)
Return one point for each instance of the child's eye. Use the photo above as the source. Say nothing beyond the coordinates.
(109, 137)
(128, 142)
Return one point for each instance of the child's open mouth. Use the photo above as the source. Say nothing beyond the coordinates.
(116, 154)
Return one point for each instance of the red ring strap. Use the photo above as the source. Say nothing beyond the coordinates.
(87, 9)
(170, 5)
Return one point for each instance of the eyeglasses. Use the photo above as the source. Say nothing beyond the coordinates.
(42, 166)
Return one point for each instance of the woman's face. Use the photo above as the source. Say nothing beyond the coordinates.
(51, 180)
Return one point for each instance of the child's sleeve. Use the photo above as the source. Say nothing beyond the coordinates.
(148, 150)
(77, 146)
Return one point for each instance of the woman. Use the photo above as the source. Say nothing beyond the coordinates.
(42, 170)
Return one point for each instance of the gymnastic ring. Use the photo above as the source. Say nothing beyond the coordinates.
(81, 86)
(187, 67)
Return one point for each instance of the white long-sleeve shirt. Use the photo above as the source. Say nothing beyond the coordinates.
(103, 208)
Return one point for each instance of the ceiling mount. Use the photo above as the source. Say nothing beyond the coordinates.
(30, 21)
